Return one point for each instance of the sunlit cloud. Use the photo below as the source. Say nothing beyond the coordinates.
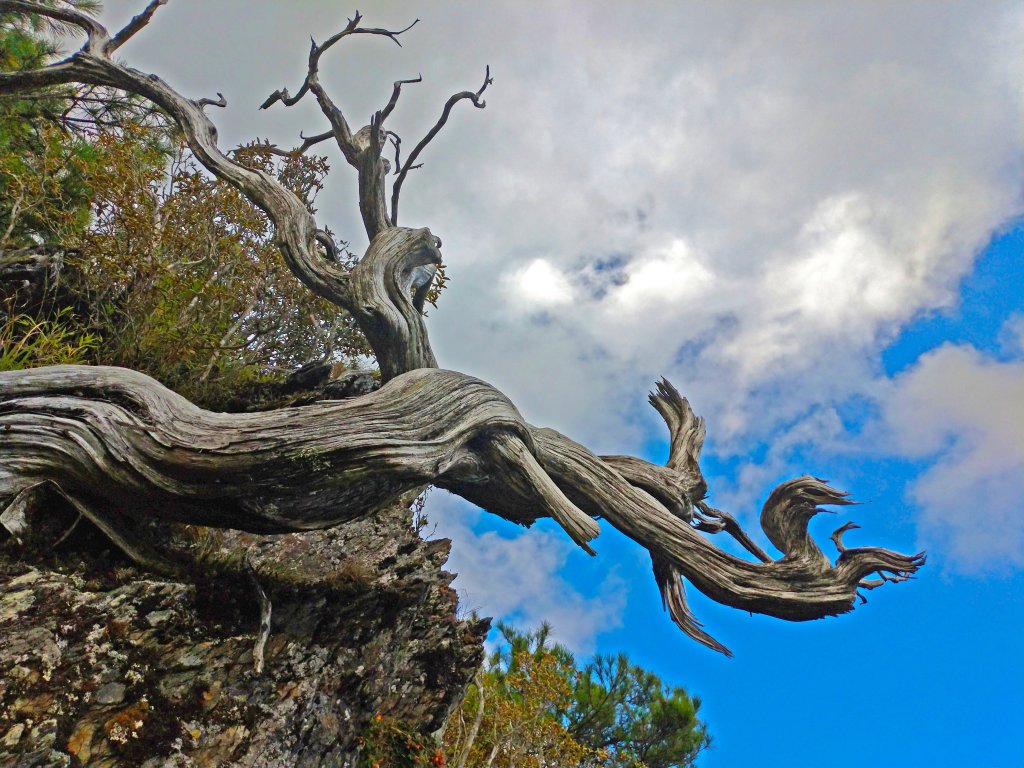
(541, 285)
(965, 414)
(519, 578)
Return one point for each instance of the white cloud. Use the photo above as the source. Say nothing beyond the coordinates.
(672, 277)
(541, 284)
(519, 579)
(1011, 335)
(965, 414)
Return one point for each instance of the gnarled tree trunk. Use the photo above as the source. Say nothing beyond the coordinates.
(121, 447)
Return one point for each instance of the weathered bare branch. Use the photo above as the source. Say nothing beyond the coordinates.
(837, 535)
(134, 26)
(325, 239)
(382, 286)
(673, 600)
(713, 520)
(361, 148)
(116, 437)
(686, 429)
(790, 508)
(474, 98)
(679, 484)
(310, 141)
(97, 37)
(384, 113)
(220, 101)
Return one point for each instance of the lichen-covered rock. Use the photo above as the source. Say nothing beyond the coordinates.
(103, 665)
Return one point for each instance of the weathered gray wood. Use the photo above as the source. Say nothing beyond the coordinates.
(113, 439)
(117, 437)
(382, 298)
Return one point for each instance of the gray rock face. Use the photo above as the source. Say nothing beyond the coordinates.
(108, 666)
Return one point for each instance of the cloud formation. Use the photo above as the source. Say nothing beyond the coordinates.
(519, 578)
(964, 414)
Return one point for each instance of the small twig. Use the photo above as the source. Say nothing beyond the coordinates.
(895, 578)
(732, 527)
(396, 142)
(309, 141)
(394, 96)
(316, 51)
(220, 101)
(265, 613)
(68, 532)
(837, 535)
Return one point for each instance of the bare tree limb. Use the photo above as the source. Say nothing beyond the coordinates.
(97, 37)
(361, 148)
(723, 521)
(132, 27)
(310, 141)
(294, 225)
(316, 51)
(115, 436)
(474, 98)
(673, 600)
(837, 535)
(220, 101)
(384, 113)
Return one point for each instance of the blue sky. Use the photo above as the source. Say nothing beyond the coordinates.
(808, 217)
(927, 670)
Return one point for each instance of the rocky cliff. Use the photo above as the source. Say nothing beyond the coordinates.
(104, 665)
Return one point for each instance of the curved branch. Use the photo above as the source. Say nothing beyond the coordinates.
(132, 27)
(790, 508)
(673, 600)
(686, 429)
(316, 51)
(97, 38)
(793, 588)
(679, 484)
(395, 93)
(109, 436)
(474, 98)
(385, 290)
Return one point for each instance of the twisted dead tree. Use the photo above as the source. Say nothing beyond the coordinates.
(123, 448)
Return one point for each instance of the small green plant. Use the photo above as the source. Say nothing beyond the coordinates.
(28, 343)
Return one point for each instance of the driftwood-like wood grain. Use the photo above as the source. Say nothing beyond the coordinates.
(115, 438)
(122, 447)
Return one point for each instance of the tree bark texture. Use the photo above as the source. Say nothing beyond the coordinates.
(124, 448)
